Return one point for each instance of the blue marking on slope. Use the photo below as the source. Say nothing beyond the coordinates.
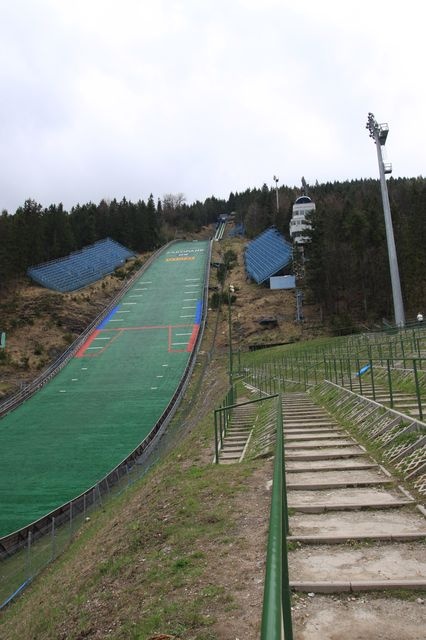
(198, 312)
(108, 318)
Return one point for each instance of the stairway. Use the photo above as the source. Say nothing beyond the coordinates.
(237, 434)
(353, 528)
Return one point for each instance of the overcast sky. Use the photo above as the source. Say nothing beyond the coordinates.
(112, 98)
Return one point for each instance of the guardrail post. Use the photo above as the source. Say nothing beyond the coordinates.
(372, 380)
(216, 443)
(403, 351)
(419, 398)
(341, 371)
(359, 375)
(335, 369)
(29, 540)
(390, 382)
(349, 373)
(53, 538)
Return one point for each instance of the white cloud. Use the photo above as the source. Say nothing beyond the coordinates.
(105, 98)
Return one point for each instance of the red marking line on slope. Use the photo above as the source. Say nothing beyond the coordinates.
(87, 344)
(193, 337)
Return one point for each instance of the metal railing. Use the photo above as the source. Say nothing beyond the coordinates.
(382, 381)
(222, 418)
(276, 614)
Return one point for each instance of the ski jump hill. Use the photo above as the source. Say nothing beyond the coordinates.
(110, 397)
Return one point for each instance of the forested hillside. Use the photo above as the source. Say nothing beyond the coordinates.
(347, 268)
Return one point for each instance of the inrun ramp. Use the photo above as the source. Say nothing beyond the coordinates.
(107, 399)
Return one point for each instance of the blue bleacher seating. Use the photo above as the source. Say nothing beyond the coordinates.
(81, 268)
(267, 255)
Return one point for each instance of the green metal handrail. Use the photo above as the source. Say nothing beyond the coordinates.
(222, 418)
(276, 614)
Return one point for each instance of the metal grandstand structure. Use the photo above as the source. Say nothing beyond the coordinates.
(267, 255)
(81, 268)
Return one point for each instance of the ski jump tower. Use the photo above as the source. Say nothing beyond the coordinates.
(299, 223)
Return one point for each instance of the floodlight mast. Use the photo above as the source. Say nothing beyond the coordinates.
(276, 192)
(379, 134)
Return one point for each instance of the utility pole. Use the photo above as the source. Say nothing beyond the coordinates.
(276, 192)
(379, 133)
(231, 290)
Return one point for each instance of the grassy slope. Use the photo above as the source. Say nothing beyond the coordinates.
(181, 552)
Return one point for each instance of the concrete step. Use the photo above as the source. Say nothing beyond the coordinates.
(348, 506)
(381, 562)
(389, 522)
(325, 455)
(314, 444)
(401, 536)
(318, 437)
(345, 484)
(322, 466)
(231, 449)
(353, 586)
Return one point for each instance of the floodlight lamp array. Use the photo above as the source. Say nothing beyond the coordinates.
(372, 125)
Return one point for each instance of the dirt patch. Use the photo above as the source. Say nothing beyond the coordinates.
(255, 302)
(242, 572)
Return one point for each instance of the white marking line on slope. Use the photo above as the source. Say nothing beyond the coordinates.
(191, 316)
(190, 300)
(181, 334)
(187, 279)
(177, 344)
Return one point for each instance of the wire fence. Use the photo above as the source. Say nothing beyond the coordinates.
(32, 550)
